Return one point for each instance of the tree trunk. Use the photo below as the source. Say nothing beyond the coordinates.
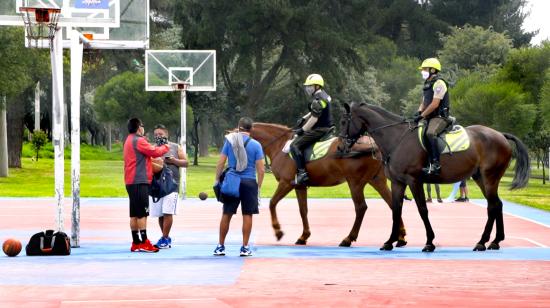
(109, 137)
(15, 116)
(3, 140)
(196, 141)
(204, 136)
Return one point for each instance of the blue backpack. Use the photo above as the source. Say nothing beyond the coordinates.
(232, 180)
(163, 184)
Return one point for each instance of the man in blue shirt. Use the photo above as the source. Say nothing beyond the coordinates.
(246, 159)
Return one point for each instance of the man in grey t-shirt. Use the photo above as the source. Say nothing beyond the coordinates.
(166, 206)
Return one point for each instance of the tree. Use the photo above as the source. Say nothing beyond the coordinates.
(502, 15)
(473, 46)
(21, 69)
(503, 106)
(39, 139)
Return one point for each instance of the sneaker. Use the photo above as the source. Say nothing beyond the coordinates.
(163, 243)
(148, 247)
(135, 247)
(460, 199)
(429, 200)
(439, 200)
(220, 250)
(245, 251)
(170, 242)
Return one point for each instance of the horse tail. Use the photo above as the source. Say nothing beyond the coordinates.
(523, 164)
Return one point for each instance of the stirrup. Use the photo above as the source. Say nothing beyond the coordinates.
(432, 169)
(301, 178)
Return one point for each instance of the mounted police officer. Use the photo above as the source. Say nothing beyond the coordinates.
(313, 126)
(434, 109)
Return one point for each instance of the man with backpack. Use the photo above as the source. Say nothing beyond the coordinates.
(246, 161)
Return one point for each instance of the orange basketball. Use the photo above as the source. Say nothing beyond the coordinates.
(158, 162)
(11, 247)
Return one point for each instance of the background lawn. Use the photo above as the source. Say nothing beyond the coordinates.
(104, 178)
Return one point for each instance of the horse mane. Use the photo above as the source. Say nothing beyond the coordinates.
(385, 113)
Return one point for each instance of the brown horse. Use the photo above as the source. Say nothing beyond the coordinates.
(485, 160)
(330, 170)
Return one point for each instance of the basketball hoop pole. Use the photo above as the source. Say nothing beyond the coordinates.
(56, 52)
(77, 49)
(183, 140)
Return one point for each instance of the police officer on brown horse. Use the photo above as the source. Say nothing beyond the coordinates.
(313, 126)
(434, 109)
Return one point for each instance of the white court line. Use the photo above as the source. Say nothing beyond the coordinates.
(516, 216)
(528, 240)
(138, 300)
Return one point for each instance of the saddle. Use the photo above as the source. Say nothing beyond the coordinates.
(453, 139)
(320, 149)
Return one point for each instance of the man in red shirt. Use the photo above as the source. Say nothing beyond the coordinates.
(138, 173)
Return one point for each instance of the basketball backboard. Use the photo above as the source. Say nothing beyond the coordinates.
(112, 24)
(163, 68)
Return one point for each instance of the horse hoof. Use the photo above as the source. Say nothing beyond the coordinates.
(479, 247)
(428, 248)
(279, 235)
(494, 246)
(300, 242)
(345, 243)
(387, 247)
(401, 243)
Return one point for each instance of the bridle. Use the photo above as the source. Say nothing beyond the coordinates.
(349, 141)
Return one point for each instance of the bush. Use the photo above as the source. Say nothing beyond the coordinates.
(39, 139)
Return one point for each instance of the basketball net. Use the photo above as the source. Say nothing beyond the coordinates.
(40, 24)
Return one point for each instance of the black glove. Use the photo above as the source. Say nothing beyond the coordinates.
(299, 131)
(300, 122)
(161, 141)
(417, 118)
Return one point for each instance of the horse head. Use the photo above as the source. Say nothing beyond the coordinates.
(350, 128)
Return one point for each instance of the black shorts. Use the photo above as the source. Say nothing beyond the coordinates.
(139, 199)
(248, 199)
(463, 183)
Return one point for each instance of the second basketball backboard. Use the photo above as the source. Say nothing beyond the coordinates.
(163, 68)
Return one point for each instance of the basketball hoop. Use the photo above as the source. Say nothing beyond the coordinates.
(40, 24)
(180, 86)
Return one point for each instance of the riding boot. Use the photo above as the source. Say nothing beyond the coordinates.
(301, 176)
(435, 166)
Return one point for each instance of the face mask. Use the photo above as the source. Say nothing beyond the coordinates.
(425, 75)
(309, 90)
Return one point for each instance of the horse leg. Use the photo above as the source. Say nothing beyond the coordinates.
(417, 190)
(301, 194)
(282, 190)
(358, 198)
(494, 213)
(398, 191)
(380, 185)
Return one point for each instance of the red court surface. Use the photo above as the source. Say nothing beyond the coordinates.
(103, 273)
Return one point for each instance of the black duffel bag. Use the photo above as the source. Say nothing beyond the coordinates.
(49, 243)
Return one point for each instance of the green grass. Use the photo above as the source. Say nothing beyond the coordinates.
(104, 178)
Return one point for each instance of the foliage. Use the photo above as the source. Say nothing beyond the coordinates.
(39, 139)
(503, 15)
(123, 97)
(468, 47)
(500, 105)
(398, 78)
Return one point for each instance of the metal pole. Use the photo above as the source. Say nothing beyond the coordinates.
(76, 74)
(4, 170)
(183, 142)
(56, 52)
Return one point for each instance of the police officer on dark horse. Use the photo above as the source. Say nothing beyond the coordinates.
(311, 127)
(434, 109)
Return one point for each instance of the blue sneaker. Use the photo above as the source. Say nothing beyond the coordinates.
(163, 243)
(170, 242)
(220, 250)
(245, 251)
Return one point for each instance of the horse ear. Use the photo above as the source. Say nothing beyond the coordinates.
(347, 108)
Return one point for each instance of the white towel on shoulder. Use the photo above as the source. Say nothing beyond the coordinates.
(237, 144)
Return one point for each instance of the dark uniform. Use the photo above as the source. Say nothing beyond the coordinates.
(438, 120)
(319, 108)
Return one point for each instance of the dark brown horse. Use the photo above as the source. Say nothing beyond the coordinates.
(485, 160)
(330, 170)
